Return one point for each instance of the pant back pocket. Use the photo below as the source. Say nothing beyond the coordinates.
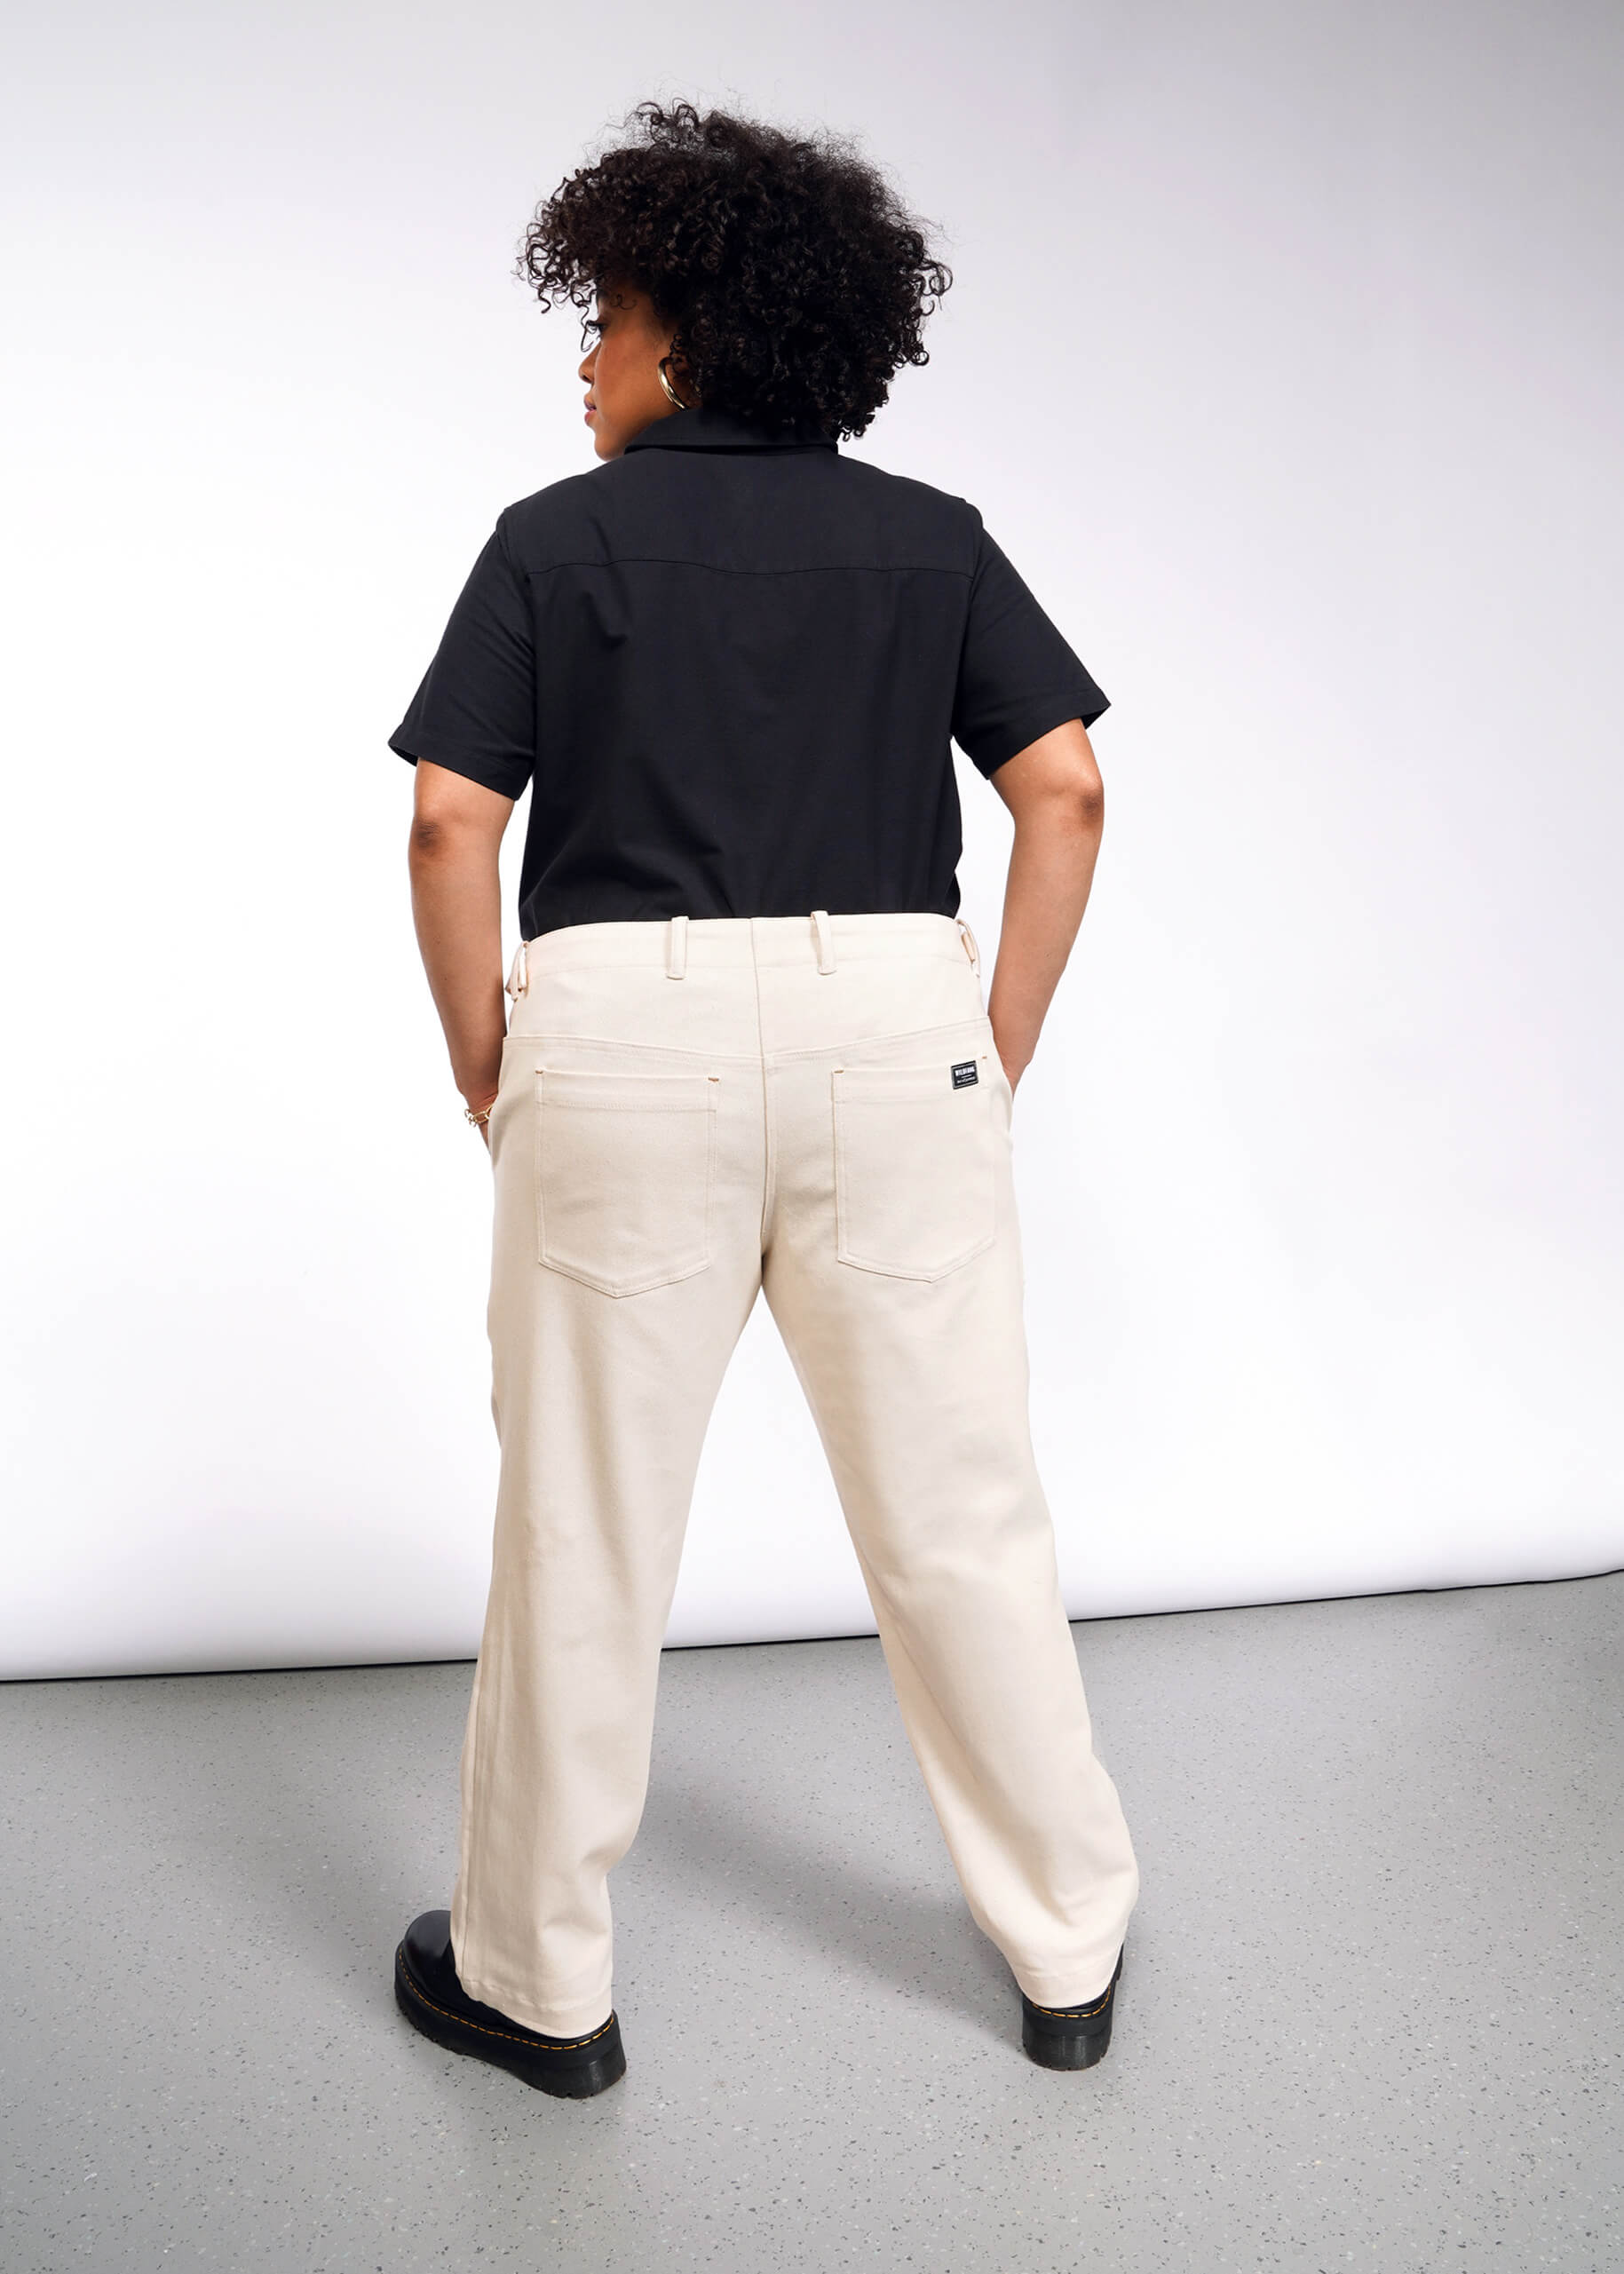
(625, 1168)
(914, 1167)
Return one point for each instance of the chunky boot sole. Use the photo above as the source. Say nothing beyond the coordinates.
(569, 2068)
(1069, 2037)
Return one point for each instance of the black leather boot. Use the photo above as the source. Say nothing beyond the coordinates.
(433, 2000)
(1069, 2037)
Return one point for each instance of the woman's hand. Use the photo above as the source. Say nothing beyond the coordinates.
(482, 1105)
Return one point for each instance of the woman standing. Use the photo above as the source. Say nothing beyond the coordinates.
(748, 1051)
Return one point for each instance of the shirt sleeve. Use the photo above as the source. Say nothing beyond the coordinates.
(475, 709)
(1017, 676)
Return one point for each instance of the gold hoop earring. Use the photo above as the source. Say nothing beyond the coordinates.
(672, 395)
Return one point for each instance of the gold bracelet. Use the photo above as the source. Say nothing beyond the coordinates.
(479, 1120)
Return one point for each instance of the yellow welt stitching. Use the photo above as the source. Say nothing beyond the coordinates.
(563, 2045)
(1074, 2013)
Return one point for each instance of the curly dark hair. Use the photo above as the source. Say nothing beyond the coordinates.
(794, 279)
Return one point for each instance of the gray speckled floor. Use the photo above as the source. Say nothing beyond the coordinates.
(1370, 2018)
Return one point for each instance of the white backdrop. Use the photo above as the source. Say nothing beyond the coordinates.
(1282, 359)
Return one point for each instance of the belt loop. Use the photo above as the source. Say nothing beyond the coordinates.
(826, 939)
(971, 949)
(518, 972)
(676, 948)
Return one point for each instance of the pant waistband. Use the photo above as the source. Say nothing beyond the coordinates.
(677, 942)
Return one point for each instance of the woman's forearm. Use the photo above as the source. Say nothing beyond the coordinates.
(457, 906)
(1051, 871)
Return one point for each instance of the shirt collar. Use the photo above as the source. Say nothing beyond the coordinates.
(720, 430)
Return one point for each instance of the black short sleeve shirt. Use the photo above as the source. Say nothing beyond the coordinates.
(729, 665)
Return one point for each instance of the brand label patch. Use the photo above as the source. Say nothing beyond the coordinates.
(964, 1073)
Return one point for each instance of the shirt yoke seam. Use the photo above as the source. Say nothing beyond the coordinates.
(719, 568)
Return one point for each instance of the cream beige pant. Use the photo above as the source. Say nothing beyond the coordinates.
(690, 1111)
